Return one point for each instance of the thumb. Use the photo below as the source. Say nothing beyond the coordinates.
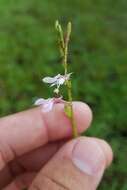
(79, 164)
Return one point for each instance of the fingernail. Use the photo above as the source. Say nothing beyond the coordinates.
(88, 157)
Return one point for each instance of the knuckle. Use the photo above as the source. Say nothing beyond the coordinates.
(2, 161)
(46, 183)
(6, 151)
(7, 154)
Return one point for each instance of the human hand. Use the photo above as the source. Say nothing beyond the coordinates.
(36, 151)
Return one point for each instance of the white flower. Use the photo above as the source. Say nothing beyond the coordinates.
(58, 80)
(47, 104)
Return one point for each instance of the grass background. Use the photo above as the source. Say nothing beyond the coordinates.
(98, 59)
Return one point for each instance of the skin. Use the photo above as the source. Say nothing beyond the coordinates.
(36, 150)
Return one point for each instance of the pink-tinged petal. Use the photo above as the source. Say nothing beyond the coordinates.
(39, 102)
(49, 80)
(48, 105)
(59, 100)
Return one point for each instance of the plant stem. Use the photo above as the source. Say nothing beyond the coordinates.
(65, 57)
(74, 127)
(63, 46)
(68, 82)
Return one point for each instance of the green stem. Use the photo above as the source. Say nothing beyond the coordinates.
(65, 59)
(74, 127)
(69, 86)
(63, 45)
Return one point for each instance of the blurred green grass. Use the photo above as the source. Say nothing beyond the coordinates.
(98, 59)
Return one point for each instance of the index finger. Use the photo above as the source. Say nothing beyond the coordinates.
(28, 130)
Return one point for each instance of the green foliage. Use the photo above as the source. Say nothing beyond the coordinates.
(98, 58)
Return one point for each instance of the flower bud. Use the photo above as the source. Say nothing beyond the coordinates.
(56, 90)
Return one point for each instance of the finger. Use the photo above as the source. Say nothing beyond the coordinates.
(25, 131)
(5, 177)
(34, 160)
(79, 164)
(21, 182)
(30, 162)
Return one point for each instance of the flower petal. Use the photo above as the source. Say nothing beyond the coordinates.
(61, 81)
(48, 106)
(39, 102)
(57, 76)
(49, 80)
(68, 76)
(59, 100)
(53, 84)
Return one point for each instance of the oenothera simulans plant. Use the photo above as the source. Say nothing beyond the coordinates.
(61, 79)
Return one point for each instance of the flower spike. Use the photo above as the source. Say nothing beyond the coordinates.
(59, 80)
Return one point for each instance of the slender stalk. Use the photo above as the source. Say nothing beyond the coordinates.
(68, 82)
(65, 58)
(74, 127)
(63, 46)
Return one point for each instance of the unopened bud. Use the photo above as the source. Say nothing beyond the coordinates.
(58, 26)
(56, 90)
(69, 28)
